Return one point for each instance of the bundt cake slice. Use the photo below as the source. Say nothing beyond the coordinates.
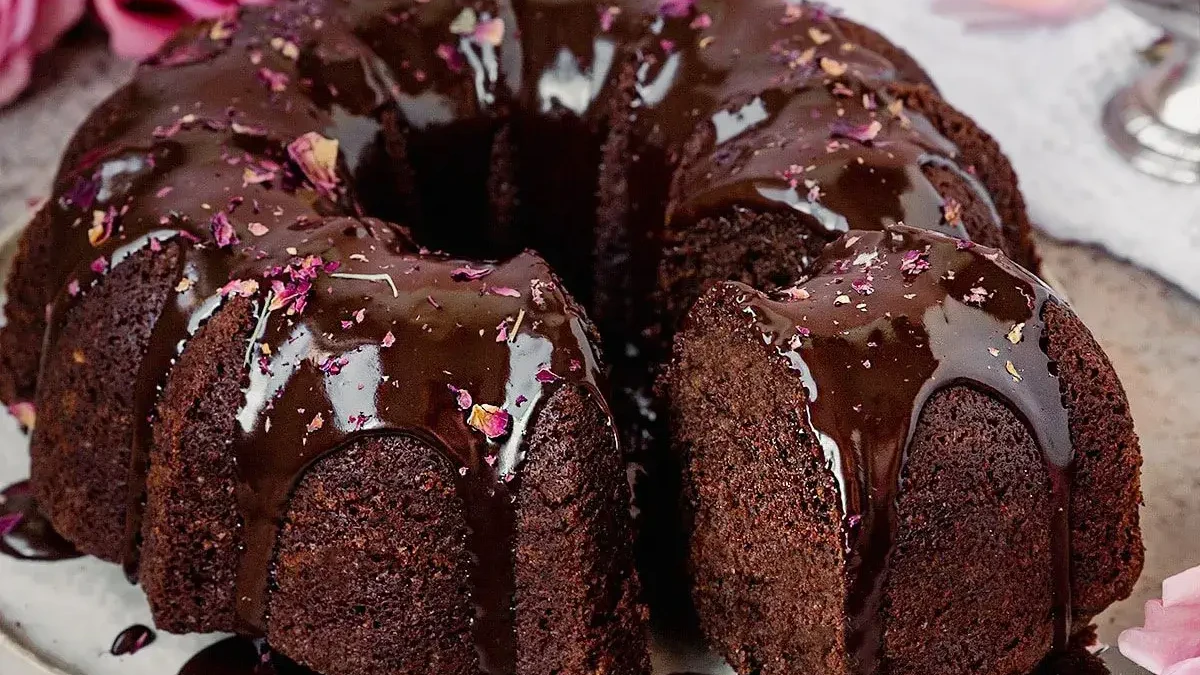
(915, 461)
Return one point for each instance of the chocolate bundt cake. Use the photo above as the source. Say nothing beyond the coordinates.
(949, 448)
(291, 420)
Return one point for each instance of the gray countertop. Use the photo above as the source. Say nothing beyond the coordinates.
(1150, 330)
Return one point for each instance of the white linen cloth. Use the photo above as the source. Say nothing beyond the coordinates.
(1040, 92)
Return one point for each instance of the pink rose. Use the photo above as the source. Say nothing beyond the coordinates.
(137, 28)
(27, 28)
(1169, 644)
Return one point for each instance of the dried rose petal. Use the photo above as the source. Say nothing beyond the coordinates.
(256, 175)
(675, 9)
(504, 291)
(546, 376)
(493, 422)
(462, 397)
(317, 422)
(317, 158)
(25, 413)
(489, 32)
(100, 265)
(332, 365)
(275, 80)
(863, 286)
(243, 288)
(453, 58)
(464, 24)
(102, 226)
(468, 273)
(388, 340)
(608, 16)
(223, 231)
(863, 133)
(913, 262)
(292, 296)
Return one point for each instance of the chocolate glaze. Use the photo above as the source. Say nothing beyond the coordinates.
(216, 113)
(25, 534)
(322, 376)
(887, 320)
(241, 656)
(132, 640)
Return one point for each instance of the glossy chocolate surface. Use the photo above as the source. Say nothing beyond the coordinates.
(887, 320)
(25, 534)
(221, 151)
(240, 656)
(132, 640)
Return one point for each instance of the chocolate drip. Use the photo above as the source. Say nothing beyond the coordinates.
(132, 640)
(210, 166)
(25, 534)
(241, 656)
(889, 319)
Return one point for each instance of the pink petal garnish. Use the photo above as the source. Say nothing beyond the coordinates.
(1182, 589)
(317, 422)
(100, 265)
(462, 397)
(275, 80)
(317, 158)
(862, 133)
(25, 413)
(256, 175)
(243, 288)
(453, 58)
(701, 22)
(489, 419)
(388, 340)
(223, 230)
(258, 229)
(546, 376)
(73, 288)
(675, 9)
(504, 291)
(468, 273)
(913, 262)
(608, 16)
(489, 32)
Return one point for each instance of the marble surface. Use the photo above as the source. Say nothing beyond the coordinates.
(1150, 329)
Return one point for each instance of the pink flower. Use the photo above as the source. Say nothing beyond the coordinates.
(1170, 642)
(27, 28)
(1017, 13)
(137, 29)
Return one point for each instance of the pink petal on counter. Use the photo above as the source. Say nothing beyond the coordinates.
(1159, 617)
(1182, 589)
(1156, 650)
(1189, 667)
